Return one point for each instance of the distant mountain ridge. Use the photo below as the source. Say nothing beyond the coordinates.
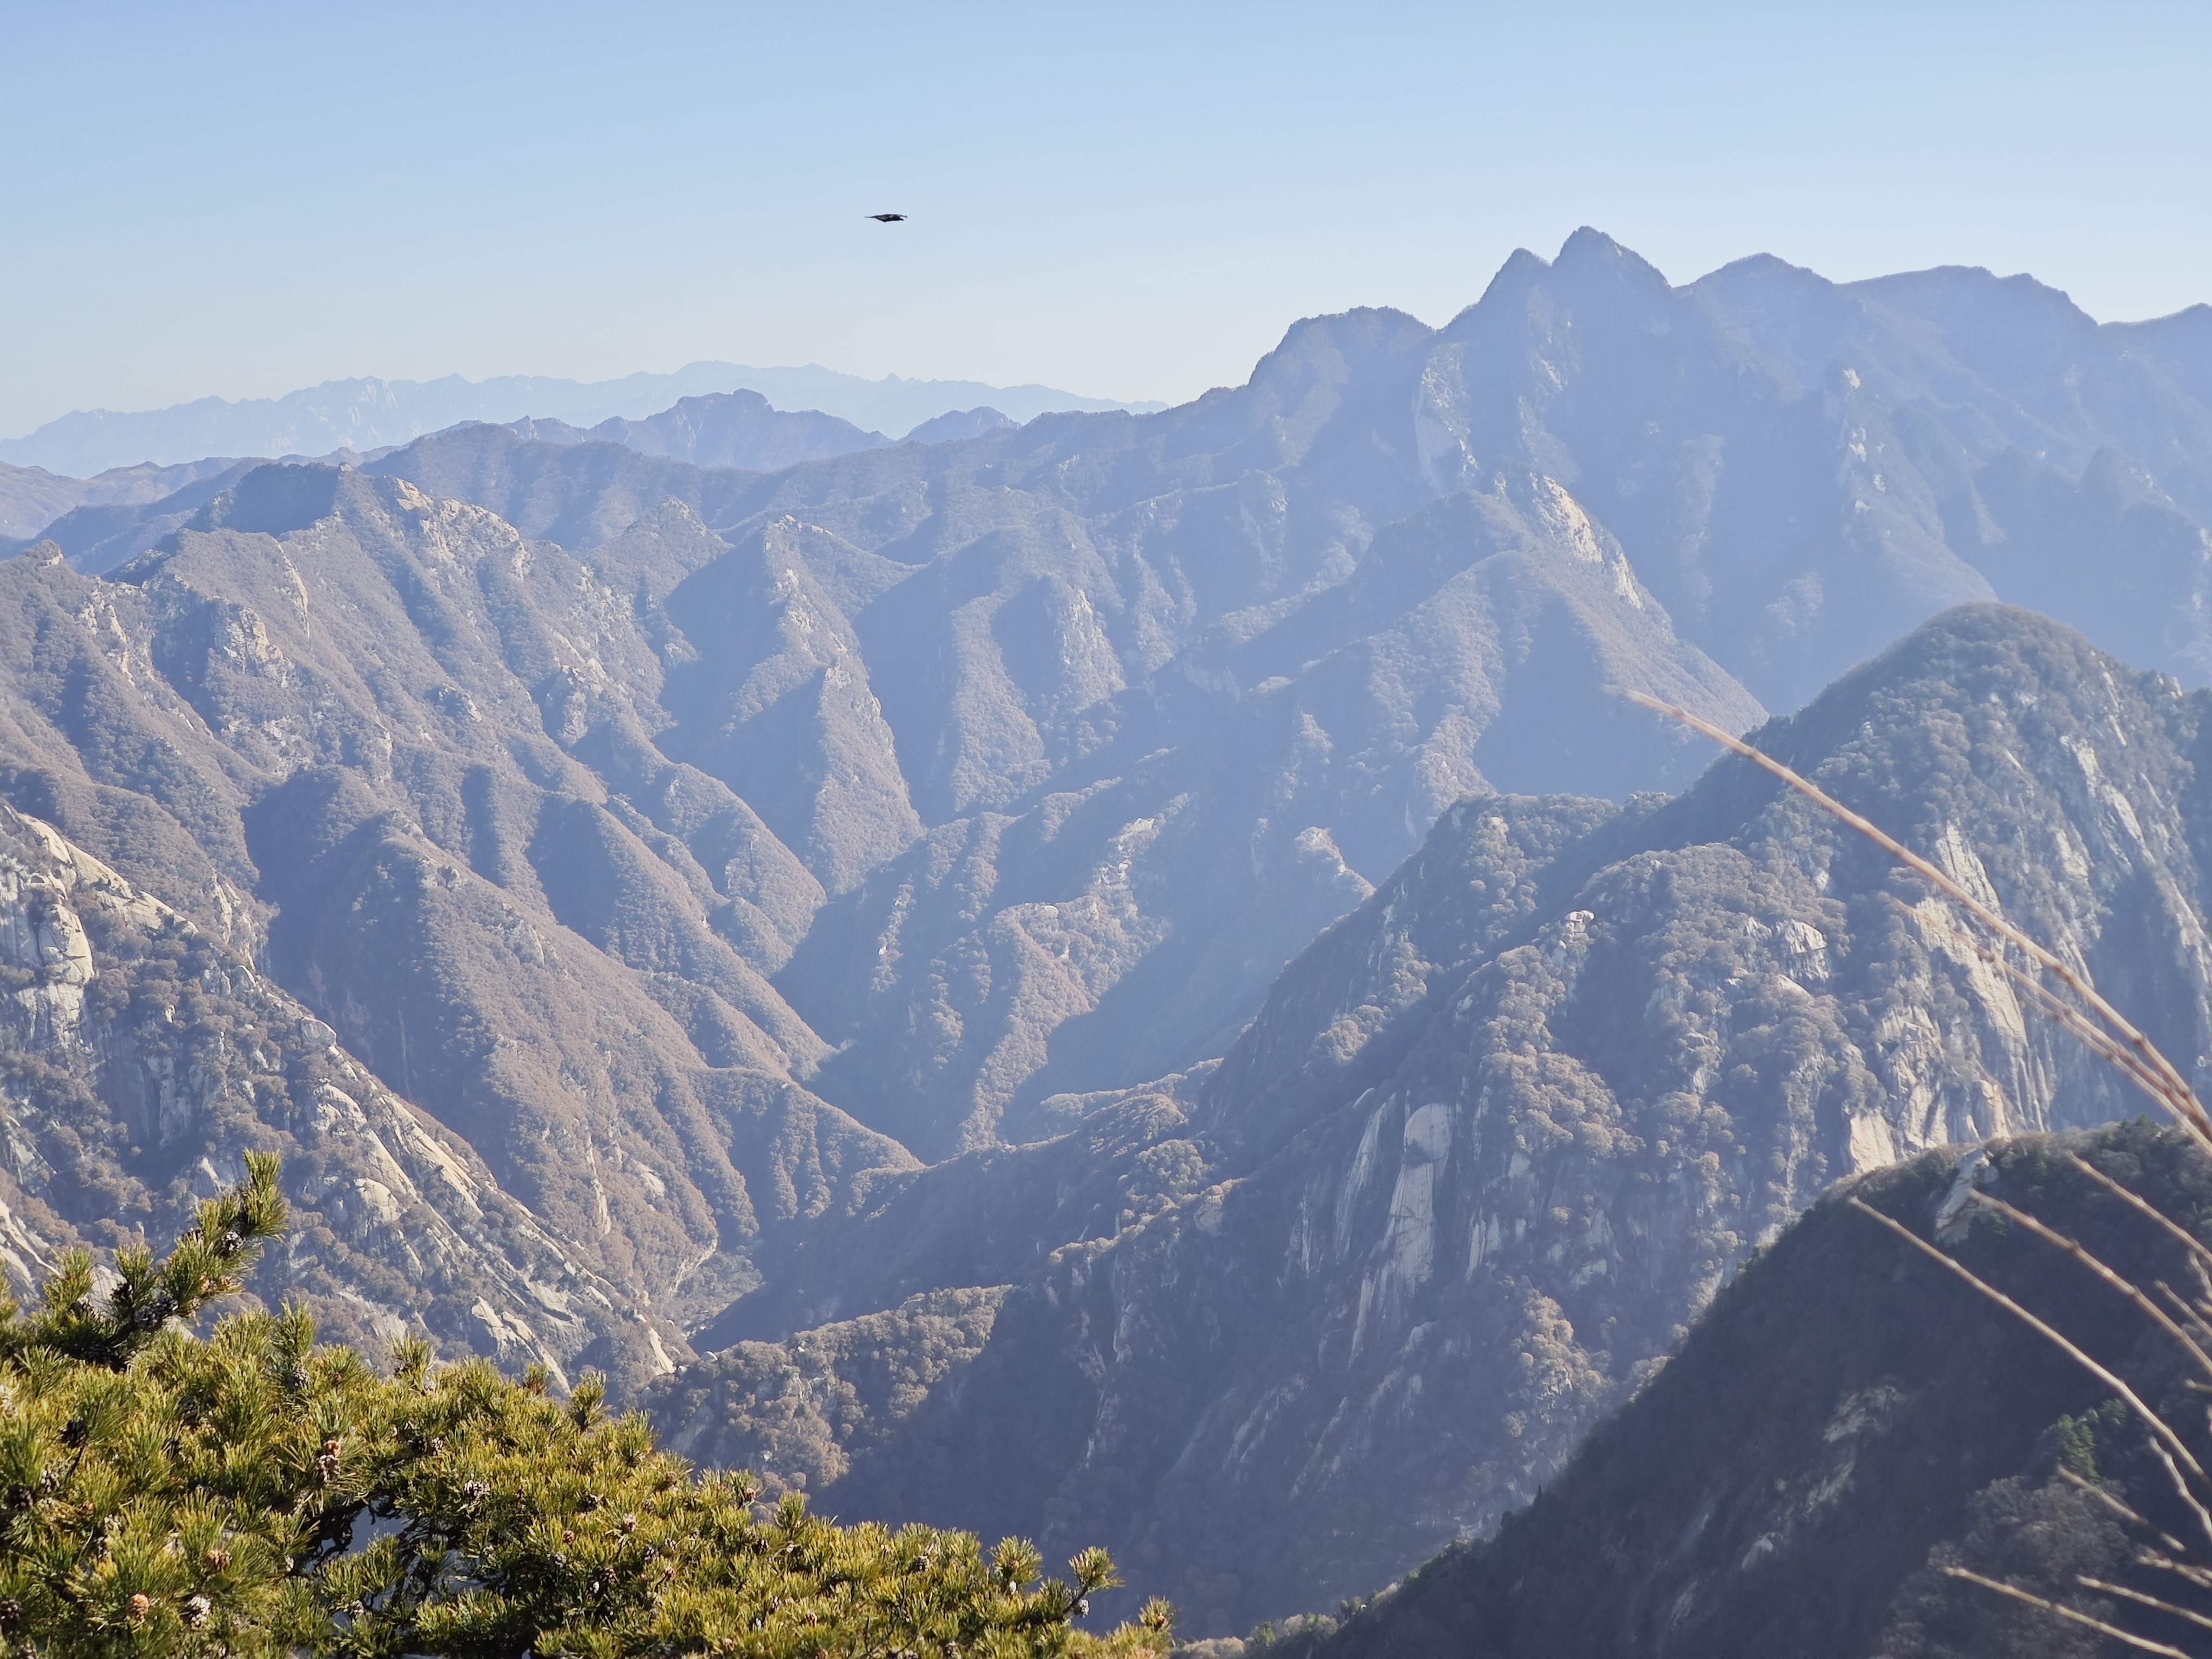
(32, 498)
(363, 415)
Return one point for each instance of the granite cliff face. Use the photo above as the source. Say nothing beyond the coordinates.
(140, 1059)
(1497, 1137)
(1847, 1422)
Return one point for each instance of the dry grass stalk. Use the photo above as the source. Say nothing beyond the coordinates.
(2106, 1588)
(2149, 1309)
(2200, 1255)
(2063, 1611)
(2074, 1022)
(2173, 1443)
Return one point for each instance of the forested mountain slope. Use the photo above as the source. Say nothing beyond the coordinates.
(1847, 1422)
(1497, 1137)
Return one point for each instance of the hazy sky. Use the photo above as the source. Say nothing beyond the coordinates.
(1121, 200)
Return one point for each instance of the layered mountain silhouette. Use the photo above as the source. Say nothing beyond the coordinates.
(727, 428)
(33, 498)
(363, 415)
(1122, 978)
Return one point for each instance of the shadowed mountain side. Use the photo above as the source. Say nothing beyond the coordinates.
(1610, 1054)
(985, 1218)
(1847, 1421)
(780, 704)
(816, 1404)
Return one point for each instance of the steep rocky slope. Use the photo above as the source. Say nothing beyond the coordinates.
(1845, 1422)
(140, 1059)
(1496, 1138)
(330, 747)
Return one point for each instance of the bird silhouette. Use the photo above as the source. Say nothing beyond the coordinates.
(886, 218)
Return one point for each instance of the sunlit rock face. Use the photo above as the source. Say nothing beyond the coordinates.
(142, 1059)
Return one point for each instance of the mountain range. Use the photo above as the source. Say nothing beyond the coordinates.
(1121, 977)
(362, 415)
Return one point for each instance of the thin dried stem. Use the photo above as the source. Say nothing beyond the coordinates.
(2189, 1570)
(2063, 1014)
(2105, 1497)
(2143, 1642)
(2173, 1093)
(2165, 1442)
(2121, 1509)
(2141, 1599)
(2197, 1250)
(2073, 1248)
(2188, 1313)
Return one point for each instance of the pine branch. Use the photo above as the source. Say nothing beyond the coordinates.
(206, 1265)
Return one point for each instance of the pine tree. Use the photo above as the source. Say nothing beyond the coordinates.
(255, 1494)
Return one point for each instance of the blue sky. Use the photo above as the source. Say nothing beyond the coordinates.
(1125, 200)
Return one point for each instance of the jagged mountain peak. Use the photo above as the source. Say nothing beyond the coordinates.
(1590, 269)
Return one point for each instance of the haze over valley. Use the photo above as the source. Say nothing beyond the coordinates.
(1122, 974)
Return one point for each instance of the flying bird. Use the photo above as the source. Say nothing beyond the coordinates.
(887, 218)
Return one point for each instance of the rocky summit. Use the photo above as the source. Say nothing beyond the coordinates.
(1122, 978)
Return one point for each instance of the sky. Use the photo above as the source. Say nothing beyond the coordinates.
(1121, 200)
